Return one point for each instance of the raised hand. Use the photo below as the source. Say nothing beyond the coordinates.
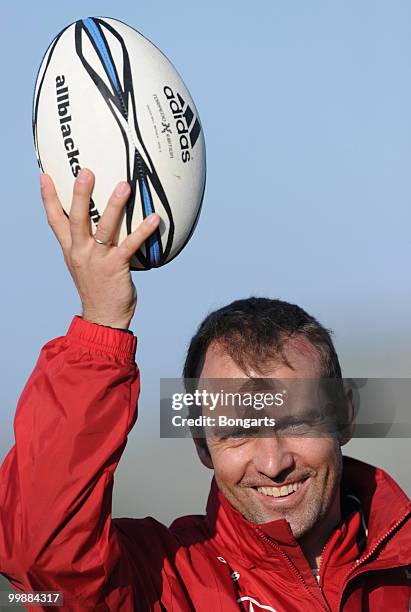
(100, 270)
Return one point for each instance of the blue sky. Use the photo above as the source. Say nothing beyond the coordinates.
(306, 112)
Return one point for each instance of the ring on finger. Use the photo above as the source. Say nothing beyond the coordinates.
(104, 243)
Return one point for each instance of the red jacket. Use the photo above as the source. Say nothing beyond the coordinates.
(56, 531)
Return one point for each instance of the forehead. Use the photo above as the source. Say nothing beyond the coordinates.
(300, 354)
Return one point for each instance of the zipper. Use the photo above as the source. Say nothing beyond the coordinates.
(321, 559)
(360, 562)
(332, 533)
(295, 570)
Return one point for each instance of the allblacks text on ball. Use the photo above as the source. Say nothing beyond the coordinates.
(107, 99)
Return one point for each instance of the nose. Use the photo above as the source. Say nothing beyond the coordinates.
(272, 456)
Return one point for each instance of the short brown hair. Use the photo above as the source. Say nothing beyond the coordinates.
(254, 330)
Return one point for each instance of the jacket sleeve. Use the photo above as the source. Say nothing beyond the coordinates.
(71, 428)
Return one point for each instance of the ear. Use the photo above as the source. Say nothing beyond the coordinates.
(347, 431)
(203, 452)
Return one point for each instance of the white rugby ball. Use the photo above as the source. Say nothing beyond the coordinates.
(107, 99)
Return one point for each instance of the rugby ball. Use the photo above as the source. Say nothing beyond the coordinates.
(107, 99)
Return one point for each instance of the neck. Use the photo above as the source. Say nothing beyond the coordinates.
(314, 542)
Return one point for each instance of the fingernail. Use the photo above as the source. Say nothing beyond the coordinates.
(83, 176)
(122, 189)
(153, 218)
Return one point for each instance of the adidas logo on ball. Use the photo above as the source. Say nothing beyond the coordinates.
(188, 129)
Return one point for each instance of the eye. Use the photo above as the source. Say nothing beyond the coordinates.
(238, 434)
(298, 423)
(297, 426)
(244, 434)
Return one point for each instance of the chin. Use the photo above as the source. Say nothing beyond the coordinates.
(299, 530)
(301, 519)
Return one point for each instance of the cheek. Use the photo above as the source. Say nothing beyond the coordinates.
(322, 454)
(230, 464)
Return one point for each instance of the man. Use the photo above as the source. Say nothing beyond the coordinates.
(289, 524)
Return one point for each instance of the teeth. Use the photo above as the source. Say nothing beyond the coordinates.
(280, 491)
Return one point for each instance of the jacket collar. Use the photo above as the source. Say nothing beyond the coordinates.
(382, 508)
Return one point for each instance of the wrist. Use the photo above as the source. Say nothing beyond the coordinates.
(120, 329)
(119, 324)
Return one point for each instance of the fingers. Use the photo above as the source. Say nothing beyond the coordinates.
(112, 215)
(136, 239)
(55, 214)
(79, 212)
(75, 231)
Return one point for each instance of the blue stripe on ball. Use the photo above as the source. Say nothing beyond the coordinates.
(102, 47)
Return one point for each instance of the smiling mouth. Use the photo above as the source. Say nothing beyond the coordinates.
(284, 491)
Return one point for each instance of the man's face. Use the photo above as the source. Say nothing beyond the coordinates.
(251, 471)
